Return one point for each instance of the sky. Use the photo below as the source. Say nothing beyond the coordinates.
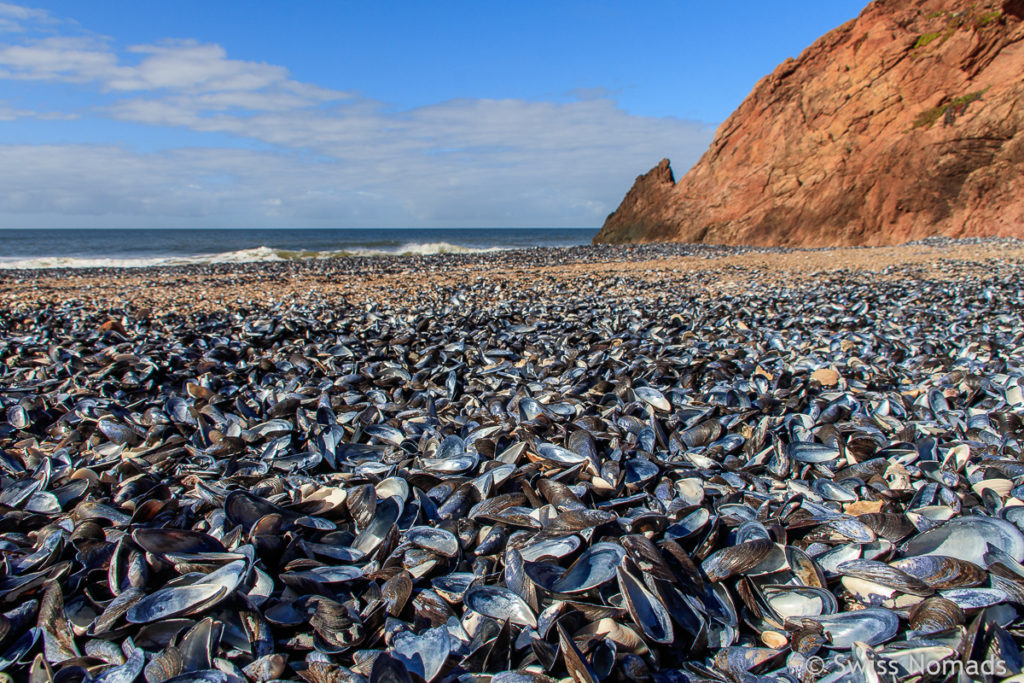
(345, 114)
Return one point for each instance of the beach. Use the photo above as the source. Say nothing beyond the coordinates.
(398, 280)
(581, 463)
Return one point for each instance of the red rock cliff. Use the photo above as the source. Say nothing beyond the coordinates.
(903, 123)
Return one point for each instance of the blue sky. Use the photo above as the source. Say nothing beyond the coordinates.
(337, 113)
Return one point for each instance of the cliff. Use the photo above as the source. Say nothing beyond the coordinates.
(904, 123)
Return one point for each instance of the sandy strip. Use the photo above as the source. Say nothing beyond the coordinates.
(193, 290)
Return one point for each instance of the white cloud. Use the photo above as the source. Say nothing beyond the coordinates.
(336, 159)
(8, 113)
(74, 59)
(189, 65)
(14, 19)
(21, 13)
(172, 69)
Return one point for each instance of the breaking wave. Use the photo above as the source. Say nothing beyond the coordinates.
(255, 255)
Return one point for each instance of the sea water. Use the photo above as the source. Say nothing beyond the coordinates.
(136, 248)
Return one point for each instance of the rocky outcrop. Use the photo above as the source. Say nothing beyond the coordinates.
(904, 123)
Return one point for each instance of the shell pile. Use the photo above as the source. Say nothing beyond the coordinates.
(550, 484)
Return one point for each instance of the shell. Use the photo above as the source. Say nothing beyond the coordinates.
(527, 465)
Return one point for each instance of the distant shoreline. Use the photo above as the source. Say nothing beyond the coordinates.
(101, 248)
(628, 270)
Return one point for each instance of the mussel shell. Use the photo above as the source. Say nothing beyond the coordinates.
(796, 602)
(646, 609)
(757, 556)
(578, 520)
(811, 452)
(871, 626)
(174, 601)
(890, 526)
(935, 614)
(177, 600)
(452, 586)
(941, 571)
(968, 538)
(424, 654)
(499, 603)
(556, 546)
(558, 455)
(245, 509)
(176, 541)
(433, 539)
(974, 598)
(396, 592)
(653, 397)
(880, 573)
(385, 515)
(596, 566)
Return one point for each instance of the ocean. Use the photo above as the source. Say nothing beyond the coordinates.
(136, 248)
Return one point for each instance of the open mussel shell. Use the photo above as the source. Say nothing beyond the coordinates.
(177, 600)
(975, 598)
(596, 566)
(434, 539)
(653, 397)
(871, 626)
(499, 603)
(968, 538)
(557, 455)
(453, 586)
(885, 575)
(326, 575)
(793, 602)
(385, 515)
(423, 654)
(645, 608)
(550, 547)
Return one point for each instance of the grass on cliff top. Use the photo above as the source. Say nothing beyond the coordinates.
(953, 22)
(986, 18)
(927, 118)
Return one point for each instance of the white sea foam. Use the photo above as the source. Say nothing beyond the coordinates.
(71, 262)
(418, 249)
(256, 255)
(441, 248)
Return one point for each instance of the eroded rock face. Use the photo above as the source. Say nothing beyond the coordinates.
(904, 123)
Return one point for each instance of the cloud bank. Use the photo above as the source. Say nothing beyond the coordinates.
(299, 154)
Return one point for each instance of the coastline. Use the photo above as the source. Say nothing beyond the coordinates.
(707, 270)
